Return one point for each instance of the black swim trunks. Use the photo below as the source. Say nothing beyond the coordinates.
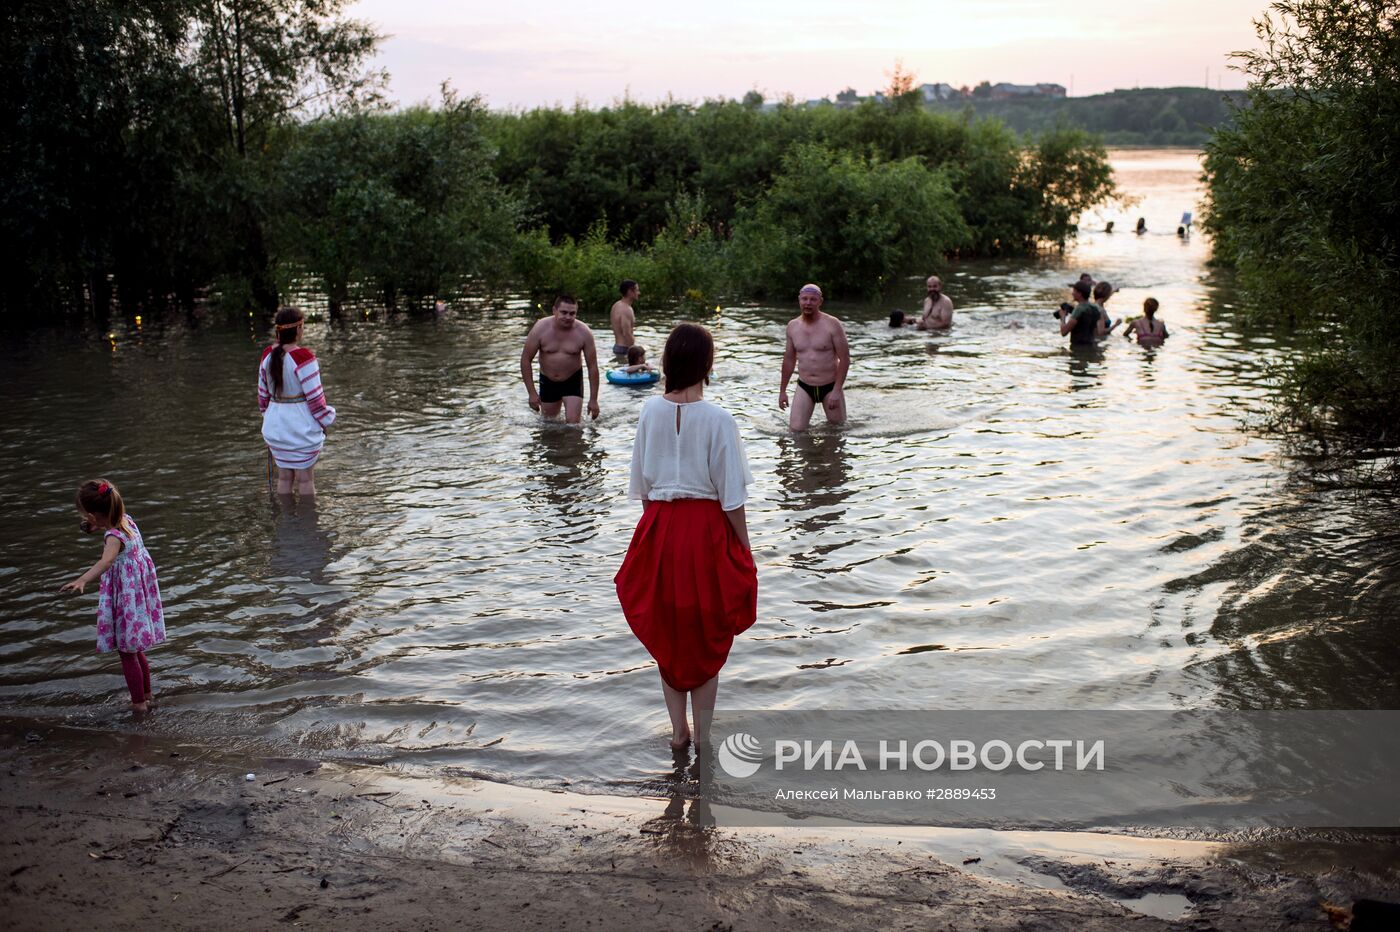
(816, 392)
(552, 391)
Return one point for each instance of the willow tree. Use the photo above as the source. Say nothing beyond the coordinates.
(267, 63)
(1304, 200)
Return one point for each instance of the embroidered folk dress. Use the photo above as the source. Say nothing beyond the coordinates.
(295, 419)
(130, 616)
(687, 585)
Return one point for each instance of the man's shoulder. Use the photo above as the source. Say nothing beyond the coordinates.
(831, 320)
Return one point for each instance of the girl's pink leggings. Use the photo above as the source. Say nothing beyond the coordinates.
(137, 673)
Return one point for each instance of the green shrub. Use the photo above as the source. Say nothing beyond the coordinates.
(845, 222)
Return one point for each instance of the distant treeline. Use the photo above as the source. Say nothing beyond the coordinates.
(172, 150)
(1155, 116)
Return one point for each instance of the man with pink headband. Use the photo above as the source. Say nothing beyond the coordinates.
(818, 351)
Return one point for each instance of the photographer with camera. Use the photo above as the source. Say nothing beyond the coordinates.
(1081, 322)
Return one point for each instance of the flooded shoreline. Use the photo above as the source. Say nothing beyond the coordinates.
(1004, 524)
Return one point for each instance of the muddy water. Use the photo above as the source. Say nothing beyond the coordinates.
(1003, 524)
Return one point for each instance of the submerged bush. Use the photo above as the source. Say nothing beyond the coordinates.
(685, 263)
(848, 223)
(1304, 200)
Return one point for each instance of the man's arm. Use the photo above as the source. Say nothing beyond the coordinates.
(923, 323)
(527, 357)
(842, 349)
(789, 364)
(590, 356)
(1067, 321)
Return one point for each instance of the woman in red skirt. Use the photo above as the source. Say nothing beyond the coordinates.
(688, 583)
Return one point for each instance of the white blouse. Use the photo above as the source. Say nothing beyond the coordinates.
(704, 458)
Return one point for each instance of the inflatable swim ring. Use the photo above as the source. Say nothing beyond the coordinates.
(618, 377)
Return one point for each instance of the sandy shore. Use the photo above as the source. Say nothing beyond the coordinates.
(121, 832)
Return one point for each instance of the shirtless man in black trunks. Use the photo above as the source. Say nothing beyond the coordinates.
(817, 349)
(560, 340)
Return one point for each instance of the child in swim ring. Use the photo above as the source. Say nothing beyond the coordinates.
(637, 361)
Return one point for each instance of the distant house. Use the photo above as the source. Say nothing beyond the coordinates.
(1006, 91)
(932, 92)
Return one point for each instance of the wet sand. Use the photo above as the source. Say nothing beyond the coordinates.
(129, 831)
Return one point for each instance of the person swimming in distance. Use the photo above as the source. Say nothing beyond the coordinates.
(898, 319)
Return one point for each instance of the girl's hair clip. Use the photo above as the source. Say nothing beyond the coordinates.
(292, 325)
(103, 488)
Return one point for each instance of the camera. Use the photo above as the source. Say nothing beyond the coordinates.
(1065, 308)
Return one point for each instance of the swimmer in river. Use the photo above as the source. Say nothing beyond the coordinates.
(1142, 226)
(1149, 330)
(1102, 292)
(897, 319)
(563, 345)
(938, 307)
(637, 361)
(624, 317)
(818, 351)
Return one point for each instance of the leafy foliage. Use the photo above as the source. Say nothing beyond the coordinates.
(1304, 199)
(849, 223)
(1149, 116)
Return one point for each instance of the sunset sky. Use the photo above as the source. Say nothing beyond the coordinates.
(524, 54)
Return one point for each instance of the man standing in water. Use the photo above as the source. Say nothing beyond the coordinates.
(1083, 322)
(624, 317)
(938, 307)
(560, 340)
(817, 349)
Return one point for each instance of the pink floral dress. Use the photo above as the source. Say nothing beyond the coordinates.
(130, 616)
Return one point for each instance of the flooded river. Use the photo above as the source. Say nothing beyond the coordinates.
(1003, 524)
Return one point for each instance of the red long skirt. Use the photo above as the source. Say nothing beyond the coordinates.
(687, 587)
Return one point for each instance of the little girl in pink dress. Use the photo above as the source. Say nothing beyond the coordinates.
(130, 616)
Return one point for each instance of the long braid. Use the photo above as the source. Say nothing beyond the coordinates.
(288, 320)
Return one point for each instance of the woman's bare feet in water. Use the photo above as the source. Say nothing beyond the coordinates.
(681, 742)
(140, 708)
(150, 700)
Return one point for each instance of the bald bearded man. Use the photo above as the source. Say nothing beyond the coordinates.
(938, 307)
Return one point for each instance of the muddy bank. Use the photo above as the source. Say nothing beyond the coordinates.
(132, 832)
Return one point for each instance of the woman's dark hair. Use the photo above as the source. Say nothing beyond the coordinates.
(1149, 307)
(1103, 291)
(287, 321)
(100, 497)
(688, 357)
(635, 354)
(896, 318)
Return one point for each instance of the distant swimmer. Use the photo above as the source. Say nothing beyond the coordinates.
(1083, 321)
(938, 307)
(1142, 226)
(818, 351)
(624, 317)
(563, 344)
(898, 319)
(1148, 329)
(1108, 228)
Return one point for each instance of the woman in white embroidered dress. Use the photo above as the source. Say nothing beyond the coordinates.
(295, 413)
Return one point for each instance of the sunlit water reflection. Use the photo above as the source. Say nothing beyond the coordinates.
(1002, 524)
